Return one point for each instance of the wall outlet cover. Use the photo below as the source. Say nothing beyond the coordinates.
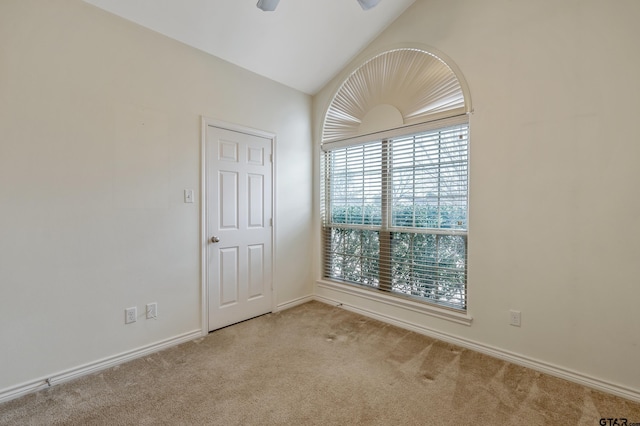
(515, 318)
(130, 315)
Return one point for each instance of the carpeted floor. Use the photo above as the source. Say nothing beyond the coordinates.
(317, 365)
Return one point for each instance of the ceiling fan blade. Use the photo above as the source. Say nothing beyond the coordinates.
(270, 5)
(368, 4)
(267, 5)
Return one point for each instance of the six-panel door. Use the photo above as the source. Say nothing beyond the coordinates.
(239, 197)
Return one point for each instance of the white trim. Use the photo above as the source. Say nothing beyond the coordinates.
(403, 131)
(237, 128)
(204, 238)
(514, 358)
(397, 302)
(293, 303)
(564, 373)
(204, 265)
(274, 157)
(93, 367)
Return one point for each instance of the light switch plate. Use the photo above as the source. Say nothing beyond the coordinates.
(188, 195)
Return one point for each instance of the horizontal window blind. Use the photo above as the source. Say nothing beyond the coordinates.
(395, 215)
(429, 180)
(356, 185)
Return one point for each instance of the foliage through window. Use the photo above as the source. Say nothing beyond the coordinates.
(395, 215)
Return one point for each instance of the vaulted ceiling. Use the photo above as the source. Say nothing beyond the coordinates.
(302, 44)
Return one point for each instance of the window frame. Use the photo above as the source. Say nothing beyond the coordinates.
(382, 291)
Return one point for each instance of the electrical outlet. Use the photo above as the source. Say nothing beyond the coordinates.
(514, 318)
(130, 315)
(152, 310)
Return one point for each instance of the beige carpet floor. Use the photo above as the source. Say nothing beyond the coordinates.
(317, 365)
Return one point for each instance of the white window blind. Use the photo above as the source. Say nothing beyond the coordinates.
(395, 215)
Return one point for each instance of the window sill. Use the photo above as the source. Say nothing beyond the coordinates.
(397, 302)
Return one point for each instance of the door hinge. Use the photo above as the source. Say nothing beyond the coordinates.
(271, 158)
(270, 222)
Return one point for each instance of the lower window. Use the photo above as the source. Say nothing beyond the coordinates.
(395, 215)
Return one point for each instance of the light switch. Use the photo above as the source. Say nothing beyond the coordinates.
(188, 195)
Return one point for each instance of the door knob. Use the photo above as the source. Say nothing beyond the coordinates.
(215, 239)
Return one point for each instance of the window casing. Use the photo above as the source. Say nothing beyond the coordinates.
(395, 214)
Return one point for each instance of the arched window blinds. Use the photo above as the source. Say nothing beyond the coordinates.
(396, 88)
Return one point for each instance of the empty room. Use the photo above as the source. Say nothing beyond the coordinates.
(319, 212)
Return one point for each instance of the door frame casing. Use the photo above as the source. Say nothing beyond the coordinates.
(204, 232)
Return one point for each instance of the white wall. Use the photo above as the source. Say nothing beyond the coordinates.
(554, 205)
(99, 136)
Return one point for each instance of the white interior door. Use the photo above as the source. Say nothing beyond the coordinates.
(239, 225)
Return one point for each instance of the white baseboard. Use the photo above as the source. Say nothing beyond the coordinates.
(294, 302)
(534, 364)
(83, 370)
(570, 375)
(93, 367)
